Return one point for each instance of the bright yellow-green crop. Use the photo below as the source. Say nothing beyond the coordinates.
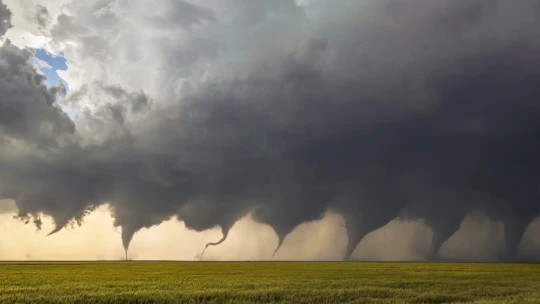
(268, 282)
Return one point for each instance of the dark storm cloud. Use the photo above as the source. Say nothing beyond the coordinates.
(417, 109)
(28, 110)
(5, 19)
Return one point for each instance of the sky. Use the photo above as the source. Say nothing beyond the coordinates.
(49, 64)
(260, 130)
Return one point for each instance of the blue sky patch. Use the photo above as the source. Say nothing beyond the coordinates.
(54, 63)
(49, 64)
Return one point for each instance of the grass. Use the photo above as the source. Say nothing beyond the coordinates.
(268, 282)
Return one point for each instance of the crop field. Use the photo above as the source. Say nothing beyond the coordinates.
(268, 282)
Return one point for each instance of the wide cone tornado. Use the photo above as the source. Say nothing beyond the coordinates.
(513, 233)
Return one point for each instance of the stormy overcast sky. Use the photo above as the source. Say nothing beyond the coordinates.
(307, 129)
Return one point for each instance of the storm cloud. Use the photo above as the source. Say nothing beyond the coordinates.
(5, 19)
(42, 16)
(285, 110)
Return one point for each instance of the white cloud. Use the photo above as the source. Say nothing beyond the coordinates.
(41, 64)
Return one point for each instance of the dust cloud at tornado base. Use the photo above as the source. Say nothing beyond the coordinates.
(285, 111)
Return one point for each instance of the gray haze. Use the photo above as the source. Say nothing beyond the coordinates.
(376, 110)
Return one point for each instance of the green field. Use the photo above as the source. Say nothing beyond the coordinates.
(268, 282)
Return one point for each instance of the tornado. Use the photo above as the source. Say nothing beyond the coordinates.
(358, 227)
(280, 242)
(127, 236)
(441, 232)
(225, 232)
(55, 230)
(514, 228)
